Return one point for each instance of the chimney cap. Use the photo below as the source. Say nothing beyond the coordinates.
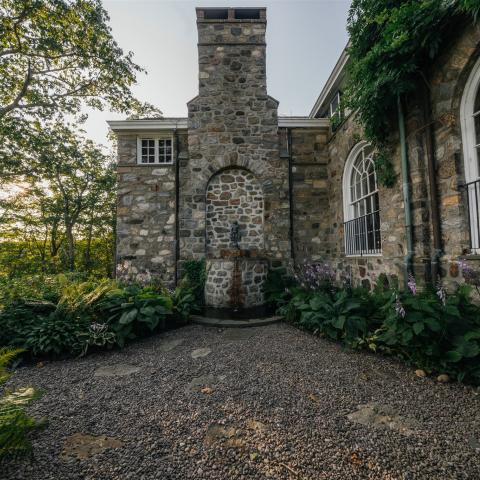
(232, 14)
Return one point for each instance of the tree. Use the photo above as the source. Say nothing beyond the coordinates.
(55, 56)
(69, 197)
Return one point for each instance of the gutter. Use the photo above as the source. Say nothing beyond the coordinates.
(177, 206)
(290, 194)
(406, 190)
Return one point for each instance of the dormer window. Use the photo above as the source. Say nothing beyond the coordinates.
(336, 113)
(154, 150)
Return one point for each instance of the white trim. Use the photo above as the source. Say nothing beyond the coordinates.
(331, 84)
(148, 124)
(156, 138)
(303, 122)
(470, 151)
(170, 124)
(468, 126)
(347, 175)
(348, 211)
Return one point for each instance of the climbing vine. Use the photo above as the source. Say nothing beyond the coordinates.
(391, 42)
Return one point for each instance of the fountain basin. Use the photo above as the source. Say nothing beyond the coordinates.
(235, 281)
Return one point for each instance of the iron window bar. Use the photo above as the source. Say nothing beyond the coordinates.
(473, 209)
(362, 235)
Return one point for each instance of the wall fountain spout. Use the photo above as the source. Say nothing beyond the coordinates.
(235, 235)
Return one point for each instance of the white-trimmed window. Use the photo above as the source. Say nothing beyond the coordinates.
(336, 112)
(154, 150)
(361, 203)
(470, 118)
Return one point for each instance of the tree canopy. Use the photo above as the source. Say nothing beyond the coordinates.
(56, 56)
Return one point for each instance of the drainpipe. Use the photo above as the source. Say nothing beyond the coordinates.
(406, 190)
(290, 192)
(432, 182)
(177, 206)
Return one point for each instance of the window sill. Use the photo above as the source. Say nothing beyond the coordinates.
(365, 255)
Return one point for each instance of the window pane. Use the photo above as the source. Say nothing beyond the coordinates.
(364, 185)
(148, 150)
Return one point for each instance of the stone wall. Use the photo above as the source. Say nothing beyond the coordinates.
(145, 215)
(309, 159)
(234, 195)
(367, 269)
(235, 283)
(447, 78)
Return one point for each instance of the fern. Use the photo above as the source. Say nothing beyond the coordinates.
(15, 424)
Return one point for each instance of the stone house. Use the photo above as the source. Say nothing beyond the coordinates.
(248, 190)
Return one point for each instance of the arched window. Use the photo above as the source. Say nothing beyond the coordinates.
(361, 204)
(470, 118)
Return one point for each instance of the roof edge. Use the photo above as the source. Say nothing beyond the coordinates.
(171, 123)
(337, 71)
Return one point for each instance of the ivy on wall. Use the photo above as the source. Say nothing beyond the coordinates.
(391, 42)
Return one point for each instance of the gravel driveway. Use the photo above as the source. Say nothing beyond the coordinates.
(266, 402)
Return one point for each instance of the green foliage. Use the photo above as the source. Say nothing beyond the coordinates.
(196, 276)
(184, 300)
(57, 56)
(338, 316)
(391, 43)
(434, 335)
(71, 315)
(15, 424)
(133, 311)
(277, 287)
(431, 329)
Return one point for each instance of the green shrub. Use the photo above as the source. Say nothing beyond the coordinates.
(74, 315)
(429, 329)
(339, 316)
(133, 311)
(195, 278)
(15, 424)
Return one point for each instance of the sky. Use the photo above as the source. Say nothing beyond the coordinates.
(304, 40)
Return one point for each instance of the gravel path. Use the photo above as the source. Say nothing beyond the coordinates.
(267, 402)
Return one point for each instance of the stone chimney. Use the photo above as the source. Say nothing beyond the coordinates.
(231, 50)
(233, 124)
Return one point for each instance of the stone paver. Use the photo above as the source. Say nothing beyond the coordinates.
(267, 403)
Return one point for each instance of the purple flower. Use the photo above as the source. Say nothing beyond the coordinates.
(316, 276)
(399, 307)
(412, 285)
(441, 293)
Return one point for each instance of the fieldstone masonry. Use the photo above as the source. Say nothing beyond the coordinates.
(235, 162)
(234, 195)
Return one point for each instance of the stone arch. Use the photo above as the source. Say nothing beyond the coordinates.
(234, 194)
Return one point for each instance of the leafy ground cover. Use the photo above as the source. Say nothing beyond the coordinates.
(63, 315)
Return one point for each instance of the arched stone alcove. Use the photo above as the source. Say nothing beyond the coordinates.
(234, 195)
